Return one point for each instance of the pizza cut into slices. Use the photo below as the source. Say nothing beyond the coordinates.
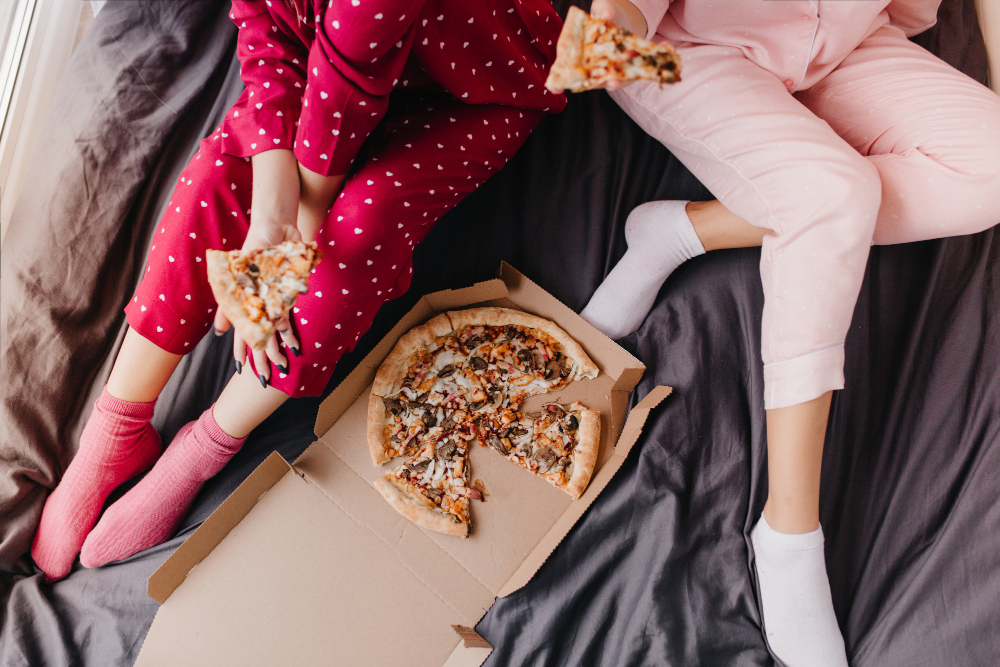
(257, 289)
(460, 378)
(592, 52)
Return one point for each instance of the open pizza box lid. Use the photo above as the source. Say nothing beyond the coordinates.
(306, 564)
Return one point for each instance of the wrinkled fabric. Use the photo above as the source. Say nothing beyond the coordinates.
(656, 572)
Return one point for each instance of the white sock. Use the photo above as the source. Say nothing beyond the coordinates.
(799, 621)
(660, 238)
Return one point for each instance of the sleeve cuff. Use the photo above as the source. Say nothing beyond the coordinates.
(653, 11)
(254, 132)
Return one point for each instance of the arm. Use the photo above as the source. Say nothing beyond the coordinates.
(989, 23)
(913, 16)
(641, 17)
(354, 62)
(272, 65)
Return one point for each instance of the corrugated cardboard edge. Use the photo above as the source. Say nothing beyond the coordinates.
(210, 534)
(630, 434)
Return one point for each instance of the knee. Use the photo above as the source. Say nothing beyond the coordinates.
(845, 200)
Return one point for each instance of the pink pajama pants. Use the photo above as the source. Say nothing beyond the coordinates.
(892, 146)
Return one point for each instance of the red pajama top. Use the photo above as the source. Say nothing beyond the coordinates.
(799, 41)
(318, 82)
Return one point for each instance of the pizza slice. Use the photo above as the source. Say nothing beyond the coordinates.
(431, 489)
(559, 445)
(592, 52)
(257, 289)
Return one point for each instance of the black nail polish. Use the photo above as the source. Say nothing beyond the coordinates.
(296, 351)
(239, 368)
(263, 380)
(283, 369)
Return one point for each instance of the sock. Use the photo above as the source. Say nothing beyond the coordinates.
(799, 621)
(660, 238)
(151, 511)
(116, 443)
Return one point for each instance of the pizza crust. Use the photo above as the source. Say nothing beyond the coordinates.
(585, 454)
(392, 372)
(419, 513)
(378, 441)
(229, 295)
(498, 317)
(567, 71)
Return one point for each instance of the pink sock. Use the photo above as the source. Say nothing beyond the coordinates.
(151, 511)
(116, 444)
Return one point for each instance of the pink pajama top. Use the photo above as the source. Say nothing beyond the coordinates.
(799, 41)
(318, 73)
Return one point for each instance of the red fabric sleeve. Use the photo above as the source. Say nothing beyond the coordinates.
(355, 60)
(273, 61)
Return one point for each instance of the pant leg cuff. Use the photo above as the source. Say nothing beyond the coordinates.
(803, 378)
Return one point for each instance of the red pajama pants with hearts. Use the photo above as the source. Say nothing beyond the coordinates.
(429, 149)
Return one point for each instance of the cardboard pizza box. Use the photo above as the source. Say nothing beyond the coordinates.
(306, 564)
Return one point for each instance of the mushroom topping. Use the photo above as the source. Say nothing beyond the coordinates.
(418, 467)
(511, 331)
(553, 369)
(478, 363)
(571, 423)
(556, 410)
(475, 405)
(497, 444)
(516, 431)
(447, 423)
(428, 419)
(545, 458)
(566, 366)
(446, 449)
(393, 405)
(253, 270)
(475, 341)
(446, 371)
(423, 397)
(526, 358)
(433, 494)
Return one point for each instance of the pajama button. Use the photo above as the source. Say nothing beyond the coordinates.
(788, 83)
(806, 17)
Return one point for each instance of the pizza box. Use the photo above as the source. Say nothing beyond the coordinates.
(306, 564)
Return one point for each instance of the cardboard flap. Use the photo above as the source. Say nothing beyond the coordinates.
(488, 290)
(637, 418)
(209, 534)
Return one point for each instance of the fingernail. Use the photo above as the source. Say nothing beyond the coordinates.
(239, 368)
(283, 369)
(218, 333)
(296, 351)
(263, 380)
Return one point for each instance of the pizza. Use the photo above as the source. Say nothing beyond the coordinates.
(458, 381)
(257, 289)
(592, 52)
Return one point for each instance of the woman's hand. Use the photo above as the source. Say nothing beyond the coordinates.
(274, 214)
(317, 195)
(623, 14)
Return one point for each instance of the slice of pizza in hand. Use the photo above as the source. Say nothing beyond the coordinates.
(431, 489)
(257, 289)
(592, 52)
(559, 445)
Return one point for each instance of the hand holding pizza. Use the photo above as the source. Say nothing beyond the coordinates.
(273, 220)
(608, 10)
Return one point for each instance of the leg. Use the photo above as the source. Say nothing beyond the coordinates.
(171, 310)
(936, 145)
(817, 201)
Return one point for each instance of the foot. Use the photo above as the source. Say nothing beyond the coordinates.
(799, 622)
(117, 443)
(660, 238)
(151, 511)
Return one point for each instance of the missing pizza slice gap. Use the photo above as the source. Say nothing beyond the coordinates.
(257, 289)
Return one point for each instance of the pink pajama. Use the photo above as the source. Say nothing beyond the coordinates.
(891, 145)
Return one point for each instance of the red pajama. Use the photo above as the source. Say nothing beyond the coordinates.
(468, 90)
